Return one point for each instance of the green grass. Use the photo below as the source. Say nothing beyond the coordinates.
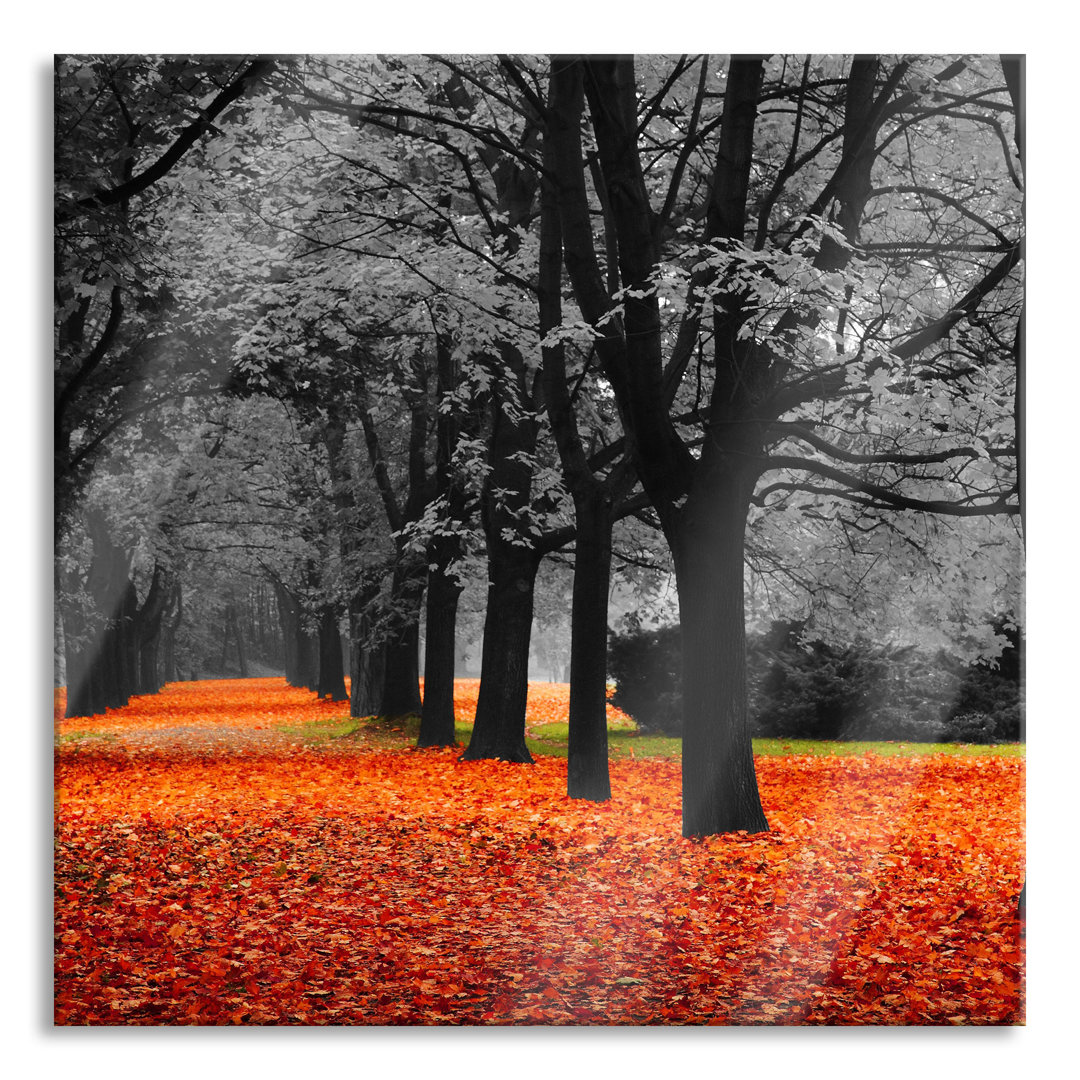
(551, 740)
(82, 736)
(822, 748)
(319, 731)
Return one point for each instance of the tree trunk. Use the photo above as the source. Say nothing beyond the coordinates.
(169, 669)
(368, 677)
(96, 660)
(366, 657)
(437, 714)
(150, 681)
(127, 646)
(401, 682)
(238, 635)
(299, 646)
(499, 728)
(148, 624)
(331, 672)
(307, 658)
(720, 791)
(587, 751)
(289, 615)
(443, 591)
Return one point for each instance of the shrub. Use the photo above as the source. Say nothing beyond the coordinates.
(970, 727)
(992, 692)
(647, 668)
(986, 693)
(812, 690)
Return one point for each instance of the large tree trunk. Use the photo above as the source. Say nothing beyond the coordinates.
(720, 791)
(587, 751)
(368, 675)
(437, 714)
(499, 728)
(331, 671)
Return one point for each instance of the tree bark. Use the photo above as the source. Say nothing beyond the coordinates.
(720, 791)
(443, 590)
(437, 714)
(94, 638)
(401, 681)
(368, 676)
(307, 658)
(499, 728)
(331, 682)
(127, 645)
(169, 670)
(366, 656)
(238, 636)
(148, 630)
(506, 502)
(587, 750)
(299, 646)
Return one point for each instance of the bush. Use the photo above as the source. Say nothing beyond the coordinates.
(970, 727)
(811, 690)
(989, 701)
(647, 668)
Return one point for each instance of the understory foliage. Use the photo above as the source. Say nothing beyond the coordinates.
(815, 690)
(218, 863)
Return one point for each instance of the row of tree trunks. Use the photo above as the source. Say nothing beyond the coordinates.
(111, 645)
(313, 655)
(300, 654)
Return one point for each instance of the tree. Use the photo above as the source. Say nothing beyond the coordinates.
(471, 187)
(810, 230)
(123, 124)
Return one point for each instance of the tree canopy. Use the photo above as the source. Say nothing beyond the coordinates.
(367, 321)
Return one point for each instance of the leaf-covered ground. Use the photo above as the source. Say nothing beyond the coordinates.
(219, 861)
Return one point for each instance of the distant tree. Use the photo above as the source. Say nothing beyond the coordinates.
(123, 124)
